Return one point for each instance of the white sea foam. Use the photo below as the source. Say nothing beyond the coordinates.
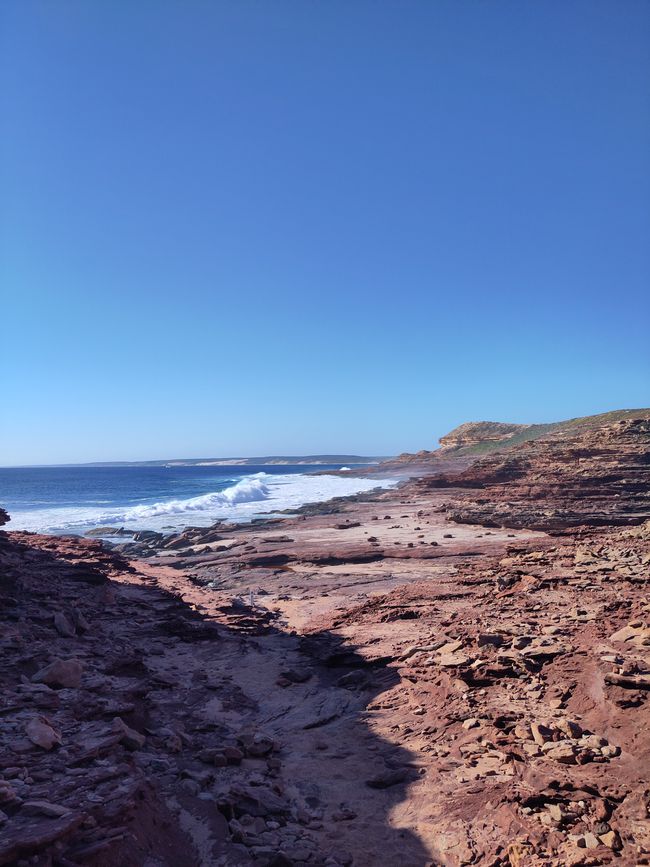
(249, 490)
(250, 497)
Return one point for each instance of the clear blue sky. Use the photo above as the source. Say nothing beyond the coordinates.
(294, 227)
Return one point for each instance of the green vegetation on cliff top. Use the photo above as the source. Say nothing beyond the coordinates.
(535, 431)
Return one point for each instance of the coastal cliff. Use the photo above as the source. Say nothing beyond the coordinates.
(455, 671)
(475, 433)
(576, 475)
(473, 440)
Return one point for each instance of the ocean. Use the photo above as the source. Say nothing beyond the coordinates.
(164, 498)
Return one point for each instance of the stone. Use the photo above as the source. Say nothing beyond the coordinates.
(592, 742)
(569, 728)
(471, 723)
(541, 733)
(129, 737)
(519, 853)
(258, 745)
(233, 754)
(587, 841)
(390, 777)
(213, 757)
(26, 839)
(7, 793)
(41, 732)
(44, 808)
(452, 660)
(489, 638)
(602, 810)
(80, 621)
(563, 753)
(60, 672)
(612, 840)
(63, 626)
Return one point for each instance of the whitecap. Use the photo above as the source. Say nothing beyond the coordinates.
(248, 498)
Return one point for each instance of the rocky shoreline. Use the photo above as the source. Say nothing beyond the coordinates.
(452, 672)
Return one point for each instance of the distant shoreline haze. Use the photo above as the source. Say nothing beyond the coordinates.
(270, 460)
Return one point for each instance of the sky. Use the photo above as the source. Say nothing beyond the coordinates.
(273, 227)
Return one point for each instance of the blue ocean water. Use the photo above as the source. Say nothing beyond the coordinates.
(75, 499)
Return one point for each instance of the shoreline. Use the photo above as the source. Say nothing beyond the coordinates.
(245, 498)
(393, 679)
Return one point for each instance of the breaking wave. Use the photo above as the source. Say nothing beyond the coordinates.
(250, 497)
(249, 490)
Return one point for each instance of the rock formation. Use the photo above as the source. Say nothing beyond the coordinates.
(595, 476)
(376, 681)
(475, 433)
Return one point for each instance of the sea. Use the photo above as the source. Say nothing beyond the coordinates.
(74, 500)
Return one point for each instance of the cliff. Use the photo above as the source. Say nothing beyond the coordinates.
(474, 439)
(474, 433)
(591, 474)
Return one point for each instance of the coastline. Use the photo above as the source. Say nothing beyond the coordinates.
(381, 681)
(153, 499)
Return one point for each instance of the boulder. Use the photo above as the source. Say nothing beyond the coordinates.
(60, 672)
(41, 733)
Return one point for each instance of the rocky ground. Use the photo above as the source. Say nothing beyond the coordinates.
(436, 675)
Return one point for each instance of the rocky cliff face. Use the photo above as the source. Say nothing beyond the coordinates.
(473, 433)
(474, 439)
(579, 475)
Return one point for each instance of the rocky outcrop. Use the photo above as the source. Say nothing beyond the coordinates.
(478, 432)
(4, 517)
(473, 440)
(594, 476)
